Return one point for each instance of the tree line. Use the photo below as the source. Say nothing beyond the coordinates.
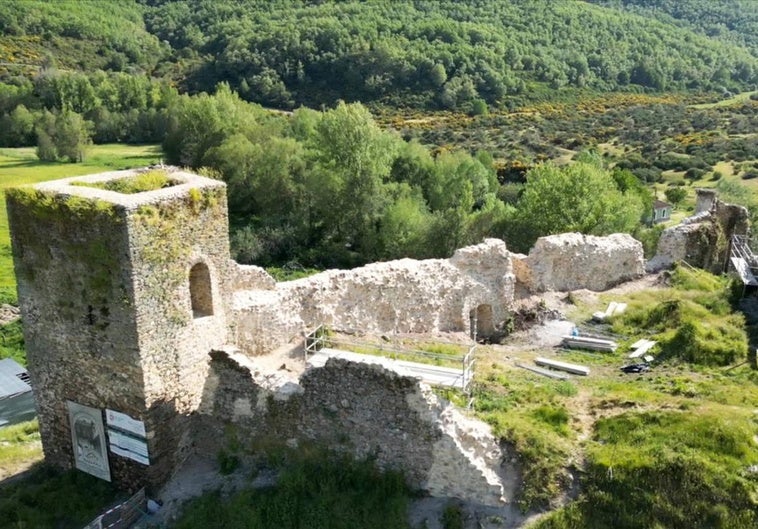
(62, 112)
(324, 189)
(333, 189)
(447, 54)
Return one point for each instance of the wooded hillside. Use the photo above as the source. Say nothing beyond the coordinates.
(441, 54)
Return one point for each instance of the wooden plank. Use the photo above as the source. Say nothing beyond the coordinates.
(642, 349)
(544, 372)
(562, 366)
(585, 342)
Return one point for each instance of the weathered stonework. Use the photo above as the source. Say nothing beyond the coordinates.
(472, 288)
(124, 295)
(701, 240)
(104, 291)
(571, 261)
(365, 410)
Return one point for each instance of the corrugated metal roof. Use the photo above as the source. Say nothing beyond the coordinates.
(10, 383)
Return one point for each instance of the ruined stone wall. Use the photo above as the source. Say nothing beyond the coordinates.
(705, 200)
(124, 295)
(702, 240)
(365, 410)
(105, 292)
(405, 296)
(76, 298)
(571, 261)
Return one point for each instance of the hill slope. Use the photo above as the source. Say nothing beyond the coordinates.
(443, 54)
(79, 35)
(733, 21)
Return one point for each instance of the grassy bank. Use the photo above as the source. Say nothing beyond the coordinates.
(20, 448)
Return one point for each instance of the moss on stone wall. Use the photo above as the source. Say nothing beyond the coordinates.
(49, 206)
(69, 240)
(165, 244)
(139, 183)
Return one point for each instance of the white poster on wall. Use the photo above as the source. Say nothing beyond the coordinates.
(127, 436)
(123, 422)
(88, 439)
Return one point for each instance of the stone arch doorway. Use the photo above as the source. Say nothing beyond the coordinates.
(201, 293)
(482, 323)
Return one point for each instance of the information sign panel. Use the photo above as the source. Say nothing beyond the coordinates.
(123, 422)
(88, 440)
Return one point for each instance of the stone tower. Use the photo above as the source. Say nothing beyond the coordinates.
(122, 282)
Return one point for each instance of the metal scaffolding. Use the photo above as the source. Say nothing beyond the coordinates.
(743, 262)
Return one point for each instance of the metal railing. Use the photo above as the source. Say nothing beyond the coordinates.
(315, 341)
(319, 338)
(123, 515)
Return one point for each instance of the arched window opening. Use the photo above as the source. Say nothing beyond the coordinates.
(482, 325)
(200, 291)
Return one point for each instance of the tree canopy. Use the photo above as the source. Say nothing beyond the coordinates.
(433, 54)
(582, 197)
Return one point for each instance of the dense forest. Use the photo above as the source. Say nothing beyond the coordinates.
(442, 54)
(504, 86)
(733, 21)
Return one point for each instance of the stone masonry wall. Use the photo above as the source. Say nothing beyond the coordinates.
(571, 261)
(702, 240)
(405, 296)
(76, 298)
(168, 236)
(105, 291)
(364, 410)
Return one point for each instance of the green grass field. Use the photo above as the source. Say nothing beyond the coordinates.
(734, 100)
(21, 166)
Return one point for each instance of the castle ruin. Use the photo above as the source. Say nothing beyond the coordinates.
(144, 339)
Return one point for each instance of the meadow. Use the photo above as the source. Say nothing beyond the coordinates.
(20, 166)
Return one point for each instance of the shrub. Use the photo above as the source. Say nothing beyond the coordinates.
(452, 517)
(319, 491)
(694, 173)
(50, 499)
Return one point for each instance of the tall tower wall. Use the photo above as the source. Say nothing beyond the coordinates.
(122, 296)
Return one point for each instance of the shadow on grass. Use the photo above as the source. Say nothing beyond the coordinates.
(46, 498)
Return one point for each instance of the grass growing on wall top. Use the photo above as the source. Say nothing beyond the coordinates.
(139, 183)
